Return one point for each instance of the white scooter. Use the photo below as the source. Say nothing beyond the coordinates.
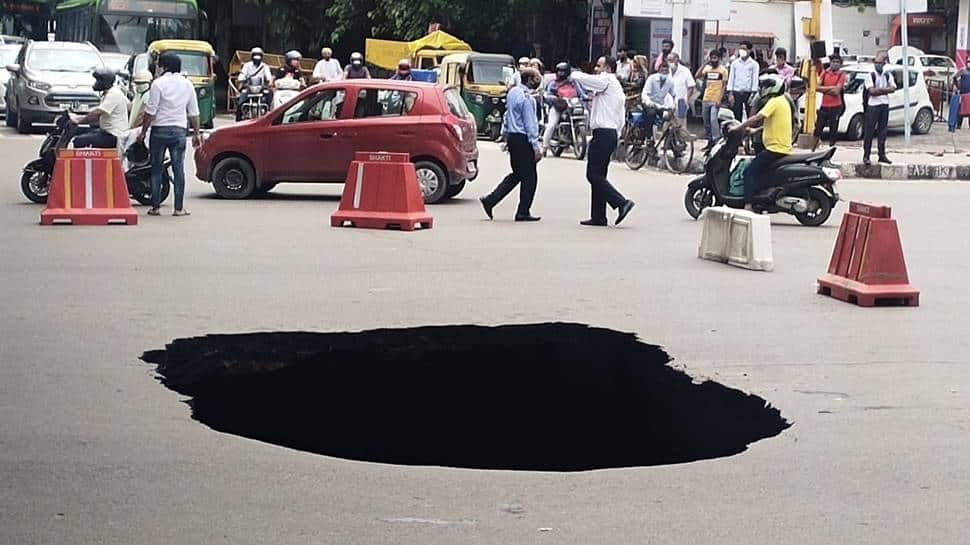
(286, 89)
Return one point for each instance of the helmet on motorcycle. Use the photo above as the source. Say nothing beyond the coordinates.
(170, 63)
(256, 54)
(796, 86)
(404, 65)
(356, 59)
(523, 62)
(770, 85)
(142, 76)
(137, 153)
(562, 71)
(293, 55)
(537, 64)
(104, 79)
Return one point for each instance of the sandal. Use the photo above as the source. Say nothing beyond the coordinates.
(181, 213)
(154, 212)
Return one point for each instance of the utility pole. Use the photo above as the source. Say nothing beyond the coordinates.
(904, 17)
(812, 28)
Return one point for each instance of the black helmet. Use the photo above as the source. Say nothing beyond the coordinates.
(170, 62)
(137, 153)
(104, 79)
(796, 85)
(562, 70)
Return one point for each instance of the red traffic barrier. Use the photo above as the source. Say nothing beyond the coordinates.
(88, 188)
(382, 192)
(868, 268)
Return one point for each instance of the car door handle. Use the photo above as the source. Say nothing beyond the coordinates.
(405, 133)
(327, 135)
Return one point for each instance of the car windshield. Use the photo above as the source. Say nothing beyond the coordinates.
(63, 60)
(8, 56)
(116, 62)
(941, 62)
(485, 72)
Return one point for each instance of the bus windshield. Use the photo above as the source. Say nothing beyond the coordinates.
(132, 33)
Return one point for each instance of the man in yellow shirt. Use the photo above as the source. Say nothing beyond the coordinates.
(776, 115)
(714, 78)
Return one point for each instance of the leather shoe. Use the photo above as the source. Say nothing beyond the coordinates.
(885, 161)
(488, 209)
(527, 218)
(624, 210)
(867, 162)
(593, 223)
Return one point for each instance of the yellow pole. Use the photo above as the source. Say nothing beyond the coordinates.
(814, 33)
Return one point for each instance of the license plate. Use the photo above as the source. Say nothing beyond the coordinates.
(82, 108)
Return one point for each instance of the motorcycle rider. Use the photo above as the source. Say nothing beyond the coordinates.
(776, 116)
(291, 67)
(403, 71)
(356, 68)
(254, 72)
(557, 97)
(111, 114)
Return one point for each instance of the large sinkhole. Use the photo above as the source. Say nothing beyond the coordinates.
(548, 397)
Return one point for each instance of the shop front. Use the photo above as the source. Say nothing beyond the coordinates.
(927, 32)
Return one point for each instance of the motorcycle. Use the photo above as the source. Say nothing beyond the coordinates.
(571, 132)
(36, 178)
(286, 89)
(797, 184)
(255, 105)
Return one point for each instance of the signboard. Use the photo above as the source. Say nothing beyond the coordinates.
(700, 10)
(157, 7)
(892, 7)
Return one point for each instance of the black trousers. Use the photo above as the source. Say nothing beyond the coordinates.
(741, 104)
(601, 149)
(523, 160)
(877, 122)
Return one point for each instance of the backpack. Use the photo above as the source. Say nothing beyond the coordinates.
(865, 93)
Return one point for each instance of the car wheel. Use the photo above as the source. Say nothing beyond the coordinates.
(855, 130)
(23, 124)
(923, 122)
(454, 190)
(432, 181)
(233, 178)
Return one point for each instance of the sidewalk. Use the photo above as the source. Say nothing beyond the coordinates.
(930, 157)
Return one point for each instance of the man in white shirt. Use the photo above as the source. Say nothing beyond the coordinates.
(254, 72)
(606, 117)
(172, 105)
(879, 85)
(742, 80)
(683, 84)
(327, 68)
(623, 65)
(111, 115)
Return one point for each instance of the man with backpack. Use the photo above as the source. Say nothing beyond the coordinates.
(830, 83)
(875, 100)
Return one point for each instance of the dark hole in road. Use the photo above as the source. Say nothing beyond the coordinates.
(548, 397)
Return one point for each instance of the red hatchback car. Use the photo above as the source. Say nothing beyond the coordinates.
(313, 138)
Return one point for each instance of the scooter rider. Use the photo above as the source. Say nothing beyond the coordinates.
(776, 116)
(557, 97)
(111, 115)
(255, 72)
(291, 67)
(356, 68)
(403, 71)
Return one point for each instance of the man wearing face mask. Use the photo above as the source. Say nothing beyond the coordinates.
(683, 84)
(742, 81)
(878, 86)
(522, 137)
(658, 92)
(403, 71)
(665, 48)
(623, 67)
(830, 83)
(254, 72)
(356, 68)
(714, 77)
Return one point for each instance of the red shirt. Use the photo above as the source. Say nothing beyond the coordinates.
(831, 79)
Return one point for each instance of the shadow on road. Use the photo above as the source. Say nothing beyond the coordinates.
(545, 397)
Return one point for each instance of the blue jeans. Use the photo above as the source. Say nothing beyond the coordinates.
(171, 139)
(712, 127)
(94, 138)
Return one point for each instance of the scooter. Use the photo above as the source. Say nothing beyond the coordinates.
(571, 132)
(797, 184)
(36, 178)
(286, 89)
(256, 102)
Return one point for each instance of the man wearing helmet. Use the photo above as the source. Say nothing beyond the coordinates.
(291, 67)
(254, 72)
(356, 68)
(111, 114)
(403, 71)
(776, 116)
(557, 96)
(143, 83)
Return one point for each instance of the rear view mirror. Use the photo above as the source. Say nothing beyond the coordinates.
(14, 68)
(123, 74)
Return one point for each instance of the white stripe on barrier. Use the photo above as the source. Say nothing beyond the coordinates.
(360, 184)
(88, 183)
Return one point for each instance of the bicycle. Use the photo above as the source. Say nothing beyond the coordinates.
(675, 143)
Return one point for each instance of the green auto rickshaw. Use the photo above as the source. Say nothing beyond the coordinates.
(198, 64)
(483, 79)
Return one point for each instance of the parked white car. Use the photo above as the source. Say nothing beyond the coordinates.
(934, 67)
(8, 55)
(852, 123)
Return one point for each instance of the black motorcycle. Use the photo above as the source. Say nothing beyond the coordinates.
(571, 132)
(36, 178)
(797, 184)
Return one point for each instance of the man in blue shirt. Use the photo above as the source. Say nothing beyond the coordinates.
(743, 80)
(522, 137)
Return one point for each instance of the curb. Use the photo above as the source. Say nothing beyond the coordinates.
(878, 171)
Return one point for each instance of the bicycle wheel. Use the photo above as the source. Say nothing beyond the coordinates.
(678, 151)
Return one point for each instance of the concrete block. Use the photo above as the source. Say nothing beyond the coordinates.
(736, 237)
(892, 172)
(962, 172)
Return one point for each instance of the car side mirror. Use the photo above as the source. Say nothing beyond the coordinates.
(123, 74)
(13, 68)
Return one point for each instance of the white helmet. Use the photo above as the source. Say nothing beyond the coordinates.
(142, 76)
(256, 51)
(770, 85)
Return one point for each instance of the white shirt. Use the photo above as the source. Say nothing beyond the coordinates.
(172, 101)
(249, 70)
(876, 80)
(608, 110)
(623, 70)
(328, 70)
(683, 80)
(114, 112)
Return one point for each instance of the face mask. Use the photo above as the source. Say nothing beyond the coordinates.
(257, 60)
(673, 66)
(143, 87)
(663, 79)
(879, 67)
(356, 63)
(743, 53)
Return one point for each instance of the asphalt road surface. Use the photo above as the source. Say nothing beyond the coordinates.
(94, 450)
